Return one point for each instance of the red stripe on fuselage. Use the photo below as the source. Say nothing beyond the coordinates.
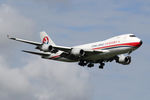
(134, 44)
(54, 57)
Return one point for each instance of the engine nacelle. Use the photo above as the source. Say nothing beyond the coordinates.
(124, 60)
(46, 48)
(77, 52)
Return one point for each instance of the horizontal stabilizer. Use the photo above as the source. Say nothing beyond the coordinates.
(37, 53)
(25, 41)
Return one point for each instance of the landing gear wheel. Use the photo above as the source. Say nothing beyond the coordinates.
(82, 63)
(90, 65)
(101, 66)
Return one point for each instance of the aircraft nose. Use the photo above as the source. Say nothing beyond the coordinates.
(141, 42)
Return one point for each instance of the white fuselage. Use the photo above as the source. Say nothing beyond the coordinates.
(113, 46)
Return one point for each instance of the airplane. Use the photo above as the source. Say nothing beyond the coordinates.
(112, 49)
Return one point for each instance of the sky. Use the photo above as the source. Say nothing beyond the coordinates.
(69, 23)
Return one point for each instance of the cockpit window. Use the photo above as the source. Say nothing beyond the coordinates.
(132, 36)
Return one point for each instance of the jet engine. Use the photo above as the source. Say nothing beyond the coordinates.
(77, 52)
(46, 48)
(124, 60)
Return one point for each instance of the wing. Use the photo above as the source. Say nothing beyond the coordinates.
(37, 53)
(62, 48)
(87, 51)
(25, 41)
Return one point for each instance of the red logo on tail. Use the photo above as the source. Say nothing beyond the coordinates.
(45, 40)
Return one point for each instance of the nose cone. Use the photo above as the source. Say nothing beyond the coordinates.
(140, 43)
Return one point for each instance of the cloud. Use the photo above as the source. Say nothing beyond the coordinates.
(11, 22)
(36, 79)
(13, 84)
(14, 24)
(60, 82)
(41, 80)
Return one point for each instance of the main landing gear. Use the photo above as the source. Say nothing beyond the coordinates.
(83, 63)
(91, 64)
(101, 66)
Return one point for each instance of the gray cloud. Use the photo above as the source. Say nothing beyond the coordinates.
(14, 24)
(11, 22)
(42, 80)
(13, 84)
(36, 79)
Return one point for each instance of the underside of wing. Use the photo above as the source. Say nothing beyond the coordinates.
(37, 53)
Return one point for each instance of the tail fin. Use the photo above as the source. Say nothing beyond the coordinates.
(46, 39)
